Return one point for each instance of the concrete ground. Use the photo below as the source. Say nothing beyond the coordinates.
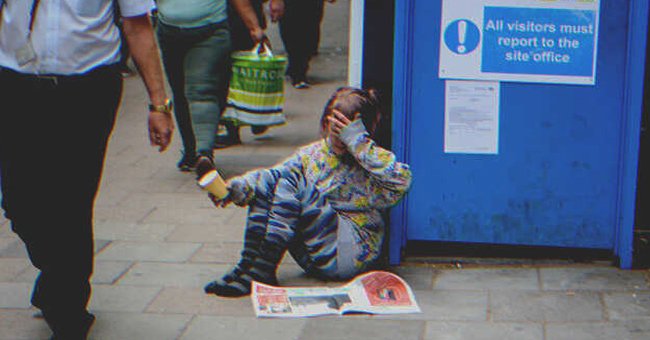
(159, 240)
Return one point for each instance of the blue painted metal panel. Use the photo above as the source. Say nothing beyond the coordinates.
(558, 177)
(401, 108)
(634, 78)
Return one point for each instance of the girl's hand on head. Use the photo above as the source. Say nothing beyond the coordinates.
(338, 121)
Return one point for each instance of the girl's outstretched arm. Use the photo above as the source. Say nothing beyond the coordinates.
(244, 188)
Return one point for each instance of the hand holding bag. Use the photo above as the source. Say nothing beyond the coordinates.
(256, 92)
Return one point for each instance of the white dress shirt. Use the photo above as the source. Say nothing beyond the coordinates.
(68, 36)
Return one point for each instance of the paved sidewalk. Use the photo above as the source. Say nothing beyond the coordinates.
(159, 240)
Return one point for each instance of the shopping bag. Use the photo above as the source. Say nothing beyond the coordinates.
(256, 92)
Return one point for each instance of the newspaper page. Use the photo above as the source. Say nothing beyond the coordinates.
(376, 292)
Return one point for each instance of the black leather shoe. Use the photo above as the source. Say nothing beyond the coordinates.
(224, 290)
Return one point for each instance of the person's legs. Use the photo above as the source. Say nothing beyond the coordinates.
(207, 68)
(298, 29)
(291, 33)
(277, 216)
(49, 196)
(173, 49)
(320, 11)
(238, 280)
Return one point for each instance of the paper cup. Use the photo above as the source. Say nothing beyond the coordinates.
(214, 184)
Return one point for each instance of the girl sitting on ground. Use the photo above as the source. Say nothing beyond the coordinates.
(323, 204)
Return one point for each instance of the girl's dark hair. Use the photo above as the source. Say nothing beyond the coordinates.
(349, 101)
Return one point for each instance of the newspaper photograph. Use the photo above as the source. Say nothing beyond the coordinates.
(376, 292)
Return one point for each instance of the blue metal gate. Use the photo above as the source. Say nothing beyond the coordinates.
(566, 167)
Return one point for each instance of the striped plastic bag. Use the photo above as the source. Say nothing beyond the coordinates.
(256, 92)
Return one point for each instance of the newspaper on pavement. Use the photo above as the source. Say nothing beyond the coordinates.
(375, 292)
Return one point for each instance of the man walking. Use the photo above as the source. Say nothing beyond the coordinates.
(60, 89)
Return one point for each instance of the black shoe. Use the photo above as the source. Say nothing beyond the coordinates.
(224, 290)
(238, 282)
(224, 141)
(187, 162)
(300, 84)
(228, 135)
(204, 165)
(79, 332)
(258, 129)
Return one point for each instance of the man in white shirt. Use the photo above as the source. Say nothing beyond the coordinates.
(60, 89)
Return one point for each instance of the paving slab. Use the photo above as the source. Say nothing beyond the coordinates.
(148, 251)
(108, 272)
(291, 275)
(6, 241)
(123, 298)
(121, 231)
(122, 213)
(628, 306)
(206, 233)
(170, 200)
(5, 229)
(228, 327)
(15, 294)
(18, 324)
(346, 327)
(637, 327)
(592, 278)
(222, 252)
(418, 277)
(15, 249)
(112, 326)
(195, 301)
(488, 279)
(546, 306)
(10, 268)
(597, 331)
(191, 215)
(171, 274)
(28, 275)
(447, 305)
(436, 330)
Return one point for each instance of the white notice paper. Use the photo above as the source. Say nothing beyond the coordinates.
(472, 117)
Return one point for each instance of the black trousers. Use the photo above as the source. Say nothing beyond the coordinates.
(300, 31)
(53, 137)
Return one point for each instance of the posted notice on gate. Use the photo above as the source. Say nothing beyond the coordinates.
(472, 117)
(540, 41)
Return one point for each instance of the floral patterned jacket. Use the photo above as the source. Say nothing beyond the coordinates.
(358, 185)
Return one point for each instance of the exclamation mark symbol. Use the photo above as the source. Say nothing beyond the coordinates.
(462, 32)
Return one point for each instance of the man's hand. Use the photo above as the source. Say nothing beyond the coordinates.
(276, 10)
(139, 36)
(257, 35)
(248, 16)
(161, 127)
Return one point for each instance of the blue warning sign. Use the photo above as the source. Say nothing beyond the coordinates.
(538, 41)
(462, 36)
(520, 40)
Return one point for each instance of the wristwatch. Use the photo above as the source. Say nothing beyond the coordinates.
(164, 108)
